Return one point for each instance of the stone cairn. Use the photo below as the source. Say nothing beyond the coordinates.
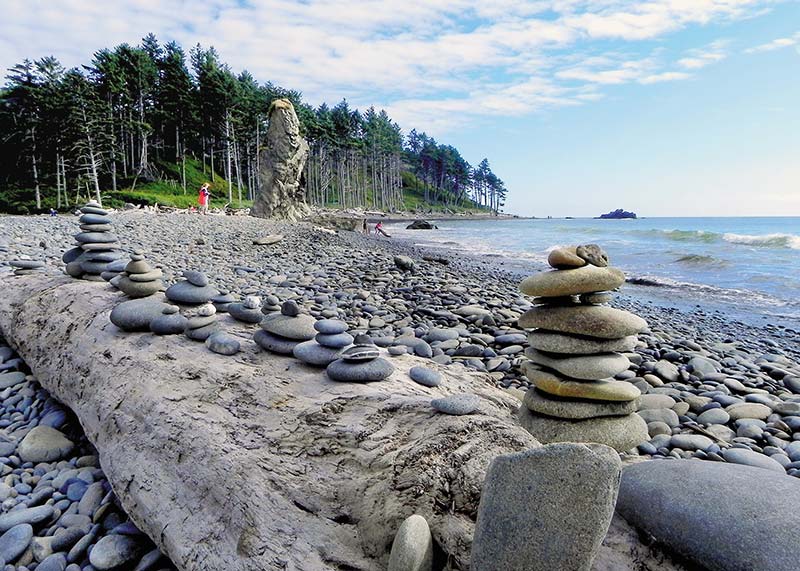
(194, 290)
(97, 245)
(24, 267)
(360, 363)
(249, 311)
(324, 349)
(575, 350)
(223, 300)
(282, 332)
(201, 325)
(138, 278)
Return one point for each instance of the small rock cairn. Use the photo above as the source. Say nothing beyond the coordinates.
(97, 245)
(281, 332)
(194, 290)
(201, 325)
(25, 266)
(575, 351)
(360, 363)
(139, 279)
(324, 349)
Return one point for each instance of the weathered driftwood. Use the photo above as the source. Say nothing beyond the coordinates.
(257, 461)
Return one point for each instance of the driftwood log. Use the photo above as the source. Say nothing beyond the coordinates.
(257, 461)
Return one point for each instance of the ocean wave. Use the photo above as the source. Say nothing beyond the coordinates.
(765, 240)
(700, 260)
(730, 295)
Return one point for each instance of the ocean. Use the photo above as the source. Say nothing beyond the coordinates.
(746, 267)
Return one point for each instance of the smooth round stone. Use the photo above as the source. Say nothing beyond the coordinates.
(206, 310)
(397, 350)
(425, 376)
(117, 265)
(750, 458)
(362, 339)
(590, 367)
(150, 276)
(312, 353)
(223, 343)
(93, 247)
(95, 219)
(74, 269)
(26, 264)
(137, 266)
(244, 314)
(138, 289)
(91, 267)
(690, 441)
(169, 324)
(190, 294)
(136, 315)
(71, 255)
(360, 352)
(554, 342)
(360, 372)
(655, 400)
(15, 541)
(457, 405)
(94, 208)
(113, 551)
(28, 515)
(252, 302)
(290, 308)
(565, 258)
(412, 548)
(748, 410)
(330, 326)
(44, 444)
(96, 237)
(196, 278)
(713, 416)
(441, 334)
(591, 320)
(201, 321)
(170, 309)
(558, 283)
(665, 415)
(96, 227)
(619, 432)
(274, 343)
(335, 340)
(298, 328)
(592, 390)
(202, 333)
(548, 405)
(596, 298)
(593, 254)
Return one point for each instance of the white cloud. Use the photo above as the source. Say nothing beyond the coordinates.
(776, 44)
(454, 57)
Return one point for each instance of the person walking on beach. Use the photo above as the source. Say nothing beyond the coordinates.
(365, 227)
(379, 228)
(203, 198)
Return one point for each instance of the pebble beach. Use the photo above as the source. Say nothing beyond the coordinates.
(713, 387)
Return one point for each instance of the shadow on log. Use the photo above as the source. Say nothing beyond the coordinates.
(258, 461)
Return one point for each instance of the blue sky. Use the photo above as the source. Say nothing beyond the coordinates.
(665, 107)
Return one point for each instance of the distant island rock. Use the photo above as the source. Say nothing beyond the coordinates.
(617, 214)
(421, 225)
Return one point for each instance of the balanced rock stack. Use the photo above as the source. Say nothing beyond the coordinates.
(324, 349)
(575, 351)
(282, 332)
(194, 290)
(360, 363)
(223, 300)
(114, 271)
(25, 266)
(139, 279)
(203, 324)
(97, 245)
(249, 311)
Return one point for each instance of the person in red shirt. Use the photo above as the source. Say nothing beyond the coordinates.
(203, 198)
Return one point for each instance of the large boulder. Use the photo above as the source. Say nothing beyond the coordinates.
(280, 194)
(421, 225)
(725, 517)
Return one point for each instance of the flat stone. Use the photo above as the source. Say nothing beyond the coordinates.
(201, 333)
(136, 314)
(97, 227)
(330, 326)
(190, 294)
(748, 410)
(268, 240)
(558, 283)
(690, 441)
(575, 409)
(334, 340)
(169, 324)
(596, 298)
(28, 515)
(150, 276)
(667, 371)
(312, 353)
(555, 342)
(714, 416)
(546, 509)
(655, 400)
(591, 320)
(412, 548)
(15, 541)
(458, 404)
(139, 289)
(723, 517)
(96, 237)
(665, 415)
(137, 266)
(246, 315)
(199, 321)
(103, 246)
(274, 343)
(95, 219)
(425, 376)
(53, 562)
(223, 343)
(590, 367)
(299, 327)
(360, 372)
(619, 432)
(196, 278)
(565, 258)
(71, 255)
(607, 390)
(593, 254)
(750, 458)
(114, 551)
(441, 334)
(26, 264)
(44, 444)
(360, 353)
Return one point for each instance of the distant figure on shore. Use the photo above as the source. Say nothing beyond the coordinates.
(365, 227)
(53, 212)
(379, 228)
(203, 198)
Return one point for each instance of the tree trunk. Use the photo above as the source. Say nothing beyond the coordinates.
(226, 471)
(35, 169)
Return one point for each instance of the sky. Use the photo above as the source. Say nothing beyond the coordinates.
(663, 107)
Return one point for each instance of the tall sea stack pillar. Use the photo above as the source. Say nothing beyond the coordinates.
(282, 162)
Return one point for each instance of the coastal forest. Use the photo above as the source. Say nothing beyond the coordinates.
(150, 123)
